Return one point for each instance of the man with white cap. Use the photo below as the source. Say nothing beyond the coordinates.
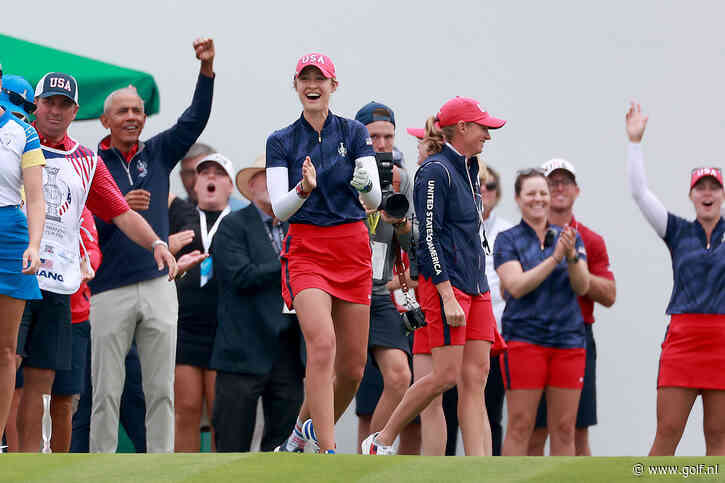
(257, 347)
(561, 177)
(197, 294)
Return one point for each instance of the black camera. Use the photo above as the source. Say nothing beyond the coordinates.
(394, 204)
(413, 319)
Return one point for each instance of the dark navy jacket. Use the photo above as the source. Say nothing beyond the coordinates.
(248, 271)
(124, 262)
(333, 152)
(449, 244)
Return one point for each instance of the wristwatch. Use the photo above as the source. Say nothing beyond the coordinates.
(574, 259)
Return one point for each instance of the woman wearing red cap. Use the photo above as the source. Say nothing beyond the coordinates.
(692, 357)
(452, 283)
(320, 171)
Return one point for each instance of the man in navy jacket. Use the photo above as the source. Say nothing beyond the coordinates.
(131, 297)
(257, 347)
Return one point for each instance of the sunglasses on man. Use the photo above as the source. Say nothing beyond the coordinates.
(19, 101)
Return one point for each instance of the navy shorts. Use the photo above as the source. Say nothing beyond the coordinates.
(19, 379)
(386, 326)
(45, 335)
(587, 413)
(195, 343)
(68, 383)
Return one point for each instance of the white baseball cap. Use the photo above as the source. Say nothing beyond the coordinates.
(219, 159)
(558, 163)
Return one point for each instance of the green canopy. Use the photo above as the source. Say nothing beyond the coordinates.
(96, 79)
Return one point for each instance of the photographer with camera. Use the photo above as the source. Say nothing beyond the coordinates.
(542, 268)
(387, 372)
(452, 283)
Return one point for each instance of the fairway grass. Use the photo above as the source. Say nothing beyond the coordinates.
(296, 468)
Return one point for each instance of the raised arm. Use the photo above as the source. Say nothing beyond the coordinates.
(653, 210)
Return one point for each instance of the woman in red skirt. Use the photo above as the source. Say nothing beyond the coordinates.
(320, 169)
(692, 359)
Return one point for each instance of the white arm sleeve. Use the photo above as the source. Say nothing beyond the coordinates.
(373, 197)
(652, 209)
(285, 202)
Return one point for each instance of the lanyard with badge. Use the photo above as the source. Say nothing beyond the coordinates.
(276, 242)
(277, 245)
(206, 268)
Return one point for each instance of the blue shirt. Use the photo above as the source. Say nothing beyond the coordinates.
(333, 152)
(550, 314)
(698, 271)
(125, 262)
(449, 244)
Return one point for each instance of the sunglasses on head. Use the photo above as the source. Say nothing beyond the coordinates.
(529, 171)
(20, 101)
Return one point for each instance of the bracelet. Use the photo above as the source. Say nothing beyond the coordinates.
(574, 259)
(159, 242)
(300, 192)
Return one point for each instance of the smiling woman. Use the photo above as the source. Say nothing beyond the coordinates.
(692, 356)
(542, 323)
(329, 164)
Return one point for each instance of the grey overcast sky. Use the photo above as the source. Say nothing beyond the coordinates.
(560, 72)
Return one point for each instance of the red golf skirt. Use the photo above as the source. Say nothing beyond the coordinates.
(335, 259)
(692, 353)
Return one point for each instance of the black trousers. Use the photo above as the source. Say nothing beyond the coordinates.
(235, 403)
(494, 395)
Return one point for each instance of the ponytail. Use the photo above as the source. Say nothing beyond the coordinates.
(434, 137)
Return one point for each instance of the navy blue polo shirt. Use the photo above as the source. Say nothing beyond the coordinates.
(698, 270)
(549, 315)
(333, 152)
(449, 243)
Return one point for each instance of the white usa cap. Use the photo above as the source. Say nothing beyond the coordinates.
(219, 159)
(558, 163)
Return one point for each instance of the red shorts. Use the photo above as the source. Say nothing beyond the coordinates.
(421, 343)
(480, 322)
(692, 353)
(532, 366)
(336, 259)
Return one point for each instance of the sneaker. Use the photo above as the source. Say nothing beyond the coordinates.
(308, 432)
(371, 447)
(329, 451)
(282, 448)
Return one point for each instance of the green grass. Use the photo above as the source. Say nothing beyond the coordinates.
(294, 468)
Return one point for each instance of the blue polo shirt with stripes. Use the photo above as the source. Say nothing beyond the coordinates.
(333, 152)
(549, 315)
(698, 269)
